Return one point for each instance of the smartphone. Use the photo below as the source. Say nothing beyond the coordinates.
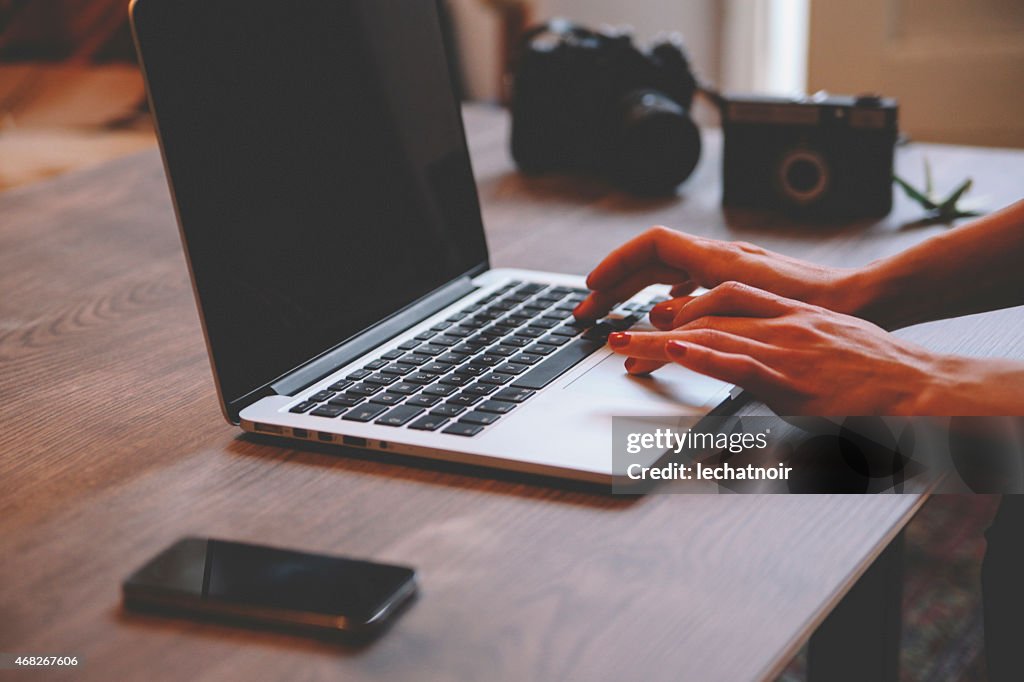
(270, 586)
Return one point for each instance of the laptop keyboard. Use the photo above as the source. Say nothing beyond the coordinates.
(468, 371)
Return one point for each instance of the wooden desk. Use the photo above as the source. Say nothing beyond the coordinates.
(112, 446)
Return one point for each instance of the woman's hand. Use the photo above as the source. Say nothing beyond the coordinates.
(797, 357)
(664, 256)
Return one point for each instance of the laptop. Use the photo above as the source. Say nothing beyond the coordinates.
(326, 203)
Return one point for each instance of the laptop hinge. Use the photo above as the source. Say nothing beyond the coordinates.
(316, 369)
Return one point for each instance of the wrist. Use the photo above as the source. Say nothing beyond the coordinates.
(862, 292)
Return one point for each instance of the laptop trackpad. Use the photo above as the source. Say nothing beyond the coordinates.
(670, 384)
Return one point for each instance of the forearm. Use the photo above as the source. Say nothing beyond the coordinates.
(971, 269)
(972, 387)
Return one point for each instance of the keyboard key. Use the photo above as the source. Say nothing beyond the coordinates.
(321, 396)
(304, 406)
(416, 358)
(451, 359)
(359, 374)
(524, 359)
(461, 331)
(456, 379)
(408, 345)
(404, 388)
(478, 389)
(398, 369)
(429, 422)
(381, 379)
(364, 413)
(556, 365)
(339, 385)
(399, 416)
(455, 317)
(545, 323)
(463, 399)
(540, 349)
(346, 400)
(447, 410)
(486, 360)
(423, 336)
(392, 355)
(552, 340)
(364, 389)
(502, 350)
(440, 326)
(482, 418)
(422, 400)
(466, 349)
(376, 364)
(496, 379)
(432, 349)
(435, 368)
(496, 406)
(565, 330)
(327, 411)
(387, 399)
(599, 332)
(471, 370)
(530, 333)
(442, 390)
(445, 340)
(531, 288)
(421, 378)
(511, 368)
(460, 429)
(513, 395)
(516, 342)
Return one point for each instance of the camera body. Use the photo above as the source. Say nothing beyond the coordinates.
(592, 102)
(822, 157)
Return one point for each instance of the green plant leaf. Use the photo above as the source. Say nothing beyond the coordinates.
(914, 193)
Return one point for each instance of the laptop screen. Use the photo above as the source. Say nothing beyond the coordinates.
(319, 167)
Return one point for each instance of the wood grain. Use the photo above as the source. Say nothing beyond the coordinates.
(112, 446)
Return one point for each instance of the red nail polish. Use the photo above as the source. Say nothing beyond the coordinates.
(675, 349)
(618, 339)
(663, 315)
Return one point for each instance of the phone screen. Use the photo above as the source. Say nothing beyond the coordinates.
(268, 579)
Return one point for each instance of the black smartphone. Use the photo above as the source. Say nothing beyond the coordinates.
(270, 586)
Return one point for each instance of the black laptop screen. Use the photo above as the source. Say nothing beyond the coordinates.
(317, 158)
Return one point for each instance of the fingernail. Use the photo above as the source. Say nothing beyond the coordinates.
(663, 314)
(618, 339)
(675, 349)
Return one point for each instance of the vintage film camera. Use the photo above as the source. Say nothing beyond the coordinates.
(824, 156)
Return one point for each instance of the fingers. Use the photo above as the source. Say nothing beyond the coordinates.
(649, 347)
(638, 253)
(732, 299)
(664, 314)
(599, 302)
(733, 368)
(684, 289)
(639, 367)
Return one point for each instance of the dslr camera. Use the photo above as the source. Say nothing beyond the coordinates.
(591, 102)
(824, 157)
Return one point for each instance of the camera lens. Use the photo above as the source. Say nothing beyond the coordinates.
(803, 176)
(658, 144)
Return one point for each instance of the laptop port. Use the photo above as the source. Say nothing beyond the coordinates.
(354, 441)
(300, 433)
(268, 428)
(324, 436)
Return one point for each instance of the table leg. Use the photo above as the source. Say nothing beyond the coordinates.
(860, 639)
